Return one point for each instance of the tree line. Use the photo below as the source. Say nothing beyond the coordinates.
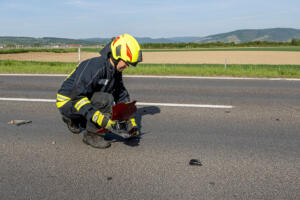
(293, 42)
(190, 45)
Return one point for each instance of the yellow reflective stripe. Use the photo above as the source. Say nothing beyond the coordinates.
(96, 116)
(60, 97)
(61, 103)
(100, 119)
(109, 123)
(71, 73)
(81, 103)
(61, 100)
(133, 122)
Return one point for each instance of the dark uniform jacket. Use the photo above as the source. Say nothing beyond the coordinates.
(92, 75)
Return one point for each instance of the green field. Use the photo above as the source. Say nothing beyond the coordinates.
(10, 51)
(268, 71)
(66, 50)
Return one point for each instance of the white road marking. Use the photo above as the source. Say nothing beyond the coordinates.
(138, 103)
(213, 78)
(27, 99)
(36, 75)
(184, 105)
(168, 77)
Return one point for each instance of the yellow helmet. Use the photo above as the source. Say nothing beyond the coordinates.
(126, 47)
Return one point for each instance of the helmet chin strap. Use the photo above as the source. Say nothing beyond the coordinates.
(114, 60)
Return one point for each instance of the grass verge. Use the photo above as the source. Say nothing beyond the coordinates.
(268, 71)
(35, 67)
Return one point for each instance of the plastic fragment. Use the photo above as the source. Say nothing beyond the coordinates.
(19, 122)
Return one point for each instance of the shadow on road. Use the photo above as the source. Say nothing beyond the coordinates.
(149, 110)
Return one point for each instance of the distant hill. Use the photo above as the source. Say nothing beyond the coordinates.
(151, 40)
(239, 36)
(30, 41)
(156, 40)
(184, 39)
(88, 41)
(248, 35)
(139, 39)
(97, 40)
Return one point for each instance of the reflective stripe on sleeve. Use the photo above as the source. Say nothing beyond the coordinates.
(98, 118)
(81, 103)
(60, 97)
(95, 116)
(109, 123)
(61, 100)
(61, 103)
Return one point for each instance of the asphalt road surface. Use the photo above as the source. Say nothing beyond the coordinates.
(250, 151)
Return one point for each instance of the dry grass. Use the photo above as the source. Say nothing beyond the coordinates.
(185, 57)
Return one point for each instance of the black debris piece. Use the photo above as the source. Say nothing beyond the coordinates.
(212, 183)
(195, 162)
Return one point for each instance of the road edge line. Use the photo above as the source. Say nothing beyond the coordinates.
(168, 77)
(138, 103)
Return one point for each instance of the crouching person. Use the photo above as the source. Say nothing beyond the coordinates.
(87, 95)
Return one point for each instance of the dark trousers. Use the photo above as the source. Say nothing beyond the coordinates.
(102, 101)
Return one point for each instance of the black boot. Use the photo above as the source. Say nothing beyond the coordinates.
(72, 126)
(95, 140)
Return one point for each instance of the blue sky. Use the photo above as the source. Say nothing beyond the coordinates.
(142, 18)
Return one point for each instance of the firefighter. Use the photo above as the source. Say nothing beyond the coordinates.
(87, 95)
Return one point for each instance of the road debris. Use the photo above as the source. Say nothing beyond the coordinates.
(212, 183)
(19, 122)
(195, 162)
